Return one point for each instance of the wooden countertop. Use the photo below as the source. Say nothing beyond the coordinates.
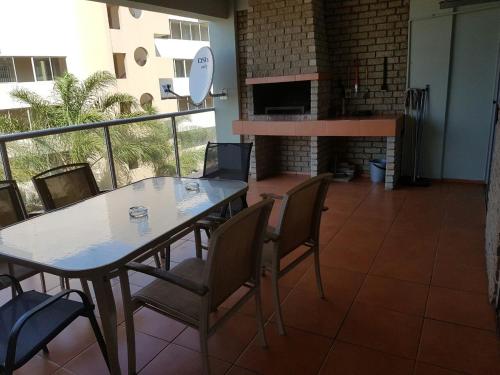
(374, 126)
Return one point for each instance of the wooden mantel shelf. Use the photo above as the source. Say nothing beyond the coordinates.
(289, 78)
(376, 126)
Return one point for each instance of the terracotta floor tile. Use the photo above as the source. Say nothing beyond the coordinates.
(157, 325)
(37, 365)
(404, 264)
(402, 296)
(177, 360)
(460, 307)
(460, 348)
(298, 352)
(426, 369)
(307, 311)
(228, 342)
(64, 346)
(355, 360)
(350, 258)
(91, 361)
(382, 329)
(460, 277)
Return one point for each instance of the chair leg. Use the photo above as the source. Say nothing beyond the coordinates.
(62, 283)
(277, 304)
(166, 257)
(197, 241)
(86, 289)
(157, 260)
(204, 350)
(318, 272)
(260, 318)
(44, 284)
(98, 336)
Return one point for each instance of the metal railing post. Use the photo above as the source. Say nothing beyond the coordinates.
(5, 161)
(111, 161)
(176, 148)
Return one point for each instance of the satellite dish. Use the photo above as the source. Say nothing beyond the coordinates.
(201, 76)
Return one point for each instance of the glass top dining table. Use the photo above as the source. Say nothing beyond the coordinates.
(94, 237)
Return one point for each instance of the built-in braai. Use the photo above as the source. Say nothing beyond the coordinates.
(285, 98)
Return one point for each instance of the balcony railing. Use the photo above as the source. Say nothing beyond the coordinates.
(127, 149)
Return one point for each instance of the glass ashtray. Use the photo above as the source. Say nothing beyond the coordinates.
(138, 211)
(192, 186)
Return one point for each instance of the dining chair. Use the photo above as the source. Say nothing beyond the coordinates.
(195, 287)
(65, 184)
(230, 161)
(12, 211)
(30, 320)
(298, 225)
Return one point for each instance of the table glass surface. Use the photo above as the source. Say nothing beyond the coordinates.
(99, 231)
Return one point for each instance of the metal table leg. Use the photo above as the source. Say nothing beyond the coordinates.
(107, 311)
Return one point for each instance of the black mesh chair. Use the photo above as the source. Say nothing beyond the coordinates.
(228, 161)
(66, 184)
(12, 211)
(30, 320)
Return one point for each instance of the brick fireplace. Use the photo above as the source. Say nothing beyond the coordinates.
(306, 45)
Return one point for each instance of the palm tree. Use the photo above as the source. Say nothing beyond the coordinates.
(77, 102)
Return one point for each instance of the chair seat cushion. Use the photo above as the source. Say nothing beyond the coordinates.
(172, 299)
(41, 327)
(20, 272)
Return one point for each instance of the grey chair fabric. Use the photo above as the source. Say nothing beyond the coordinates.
(298, 225)
(12, 211)
(190, 291)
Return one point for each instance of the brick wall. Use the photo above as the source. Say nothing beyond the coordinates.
(364, 32)
(295, 154)
(242, 37)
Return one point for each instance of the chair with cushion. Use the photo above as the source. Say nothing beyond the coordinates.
(298, 225)
(12, 211)
(229, 161)
(195, 287)
(30, 320)
(66, 184)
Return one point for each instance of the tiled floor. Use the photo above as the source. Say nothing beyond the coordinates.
(405, 292)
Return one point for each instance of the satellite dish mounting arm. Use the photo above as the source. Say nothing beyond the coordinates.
(167, 90)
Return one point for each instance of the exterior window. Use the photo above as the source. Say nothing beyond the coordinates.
(209, 102)
(140, 56)
(59, 67)
(7, 73)
(119, 62)
(146, 101)
(195, 31)
(24, 69)
(43, 71)
(186, 31)
(182, 104)
(175, 29)
(113, 17)
(179, 71)
(204, 32)
(136, 13)
(182, 68)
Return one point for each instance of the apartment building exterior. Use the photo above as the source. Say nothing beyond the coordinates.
(144, 49)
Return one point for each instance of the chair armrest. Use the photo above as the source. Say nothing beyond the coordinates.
(271, 195)
(14, 282)
(16, 329)
(193, 287)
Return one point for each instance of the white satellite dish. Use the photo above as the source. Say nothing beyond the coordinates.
(201, 76)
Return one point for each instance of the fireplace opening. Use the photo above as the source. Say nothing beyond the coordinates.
(287, 98)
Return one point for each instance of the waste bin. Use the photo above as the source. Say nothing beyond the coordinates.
(377, 170)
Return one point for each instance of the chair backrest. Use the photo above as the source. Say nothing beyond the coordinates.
(227, 160)
(235, 251)
(12, 209)
(300, 215)
(66, 184)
